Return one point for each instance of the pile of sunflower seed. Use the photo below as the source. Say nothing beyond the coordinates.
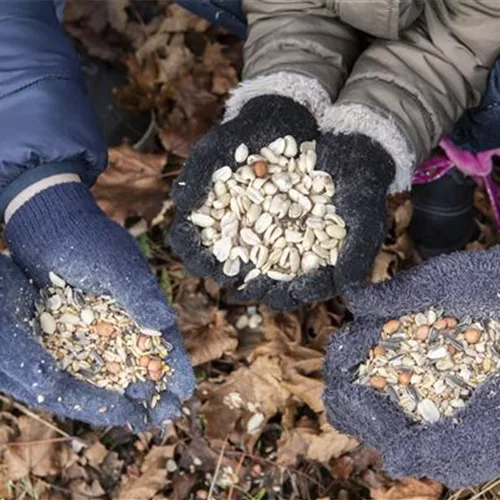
(96, 340)
(274, 210)
(430, 364)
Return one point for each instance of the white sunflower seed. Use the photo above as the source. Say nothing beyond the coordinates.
(309, 262)
(222, 249)
(255, 195)
(222, 174)
(282, 181)
(291, 148)
(231, 267)
(292, 236)
(263, 223)
(240, 253)
(269, 155)
(202, 220)
(276, 275)
(254, 273)
(241, 153)
(295, 211)
(56, 280)
(278, 146)
(335, 231)
(249, 237)
(428, 410)
(47, 321)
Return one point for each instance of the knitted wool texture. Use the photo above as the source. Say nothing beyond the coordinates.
(460, 451)
(361, 169)
(61, 229)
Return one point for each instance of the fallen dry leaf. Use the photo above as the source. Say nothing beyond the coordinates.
(409, 489)
(245, 392)
(153, 475)
(402, 217)
(36, 451)
(179, 20)
(117, 14)
(384, 265)
(211, 341)
(179, 135)
(307, 439)
(96, 454)
(81, 490)
(178, 60)
(329, 443)
(132, 185)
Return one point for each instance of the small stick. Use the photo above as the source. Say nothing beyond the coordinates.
(217, 468)
(34, 416)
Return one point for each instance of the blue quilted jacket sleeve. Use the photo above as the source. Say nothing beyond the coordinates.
(47, 124)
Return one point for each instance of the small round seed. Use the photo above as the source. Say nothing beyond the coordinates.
(451, 322)
(422, 332)
(105, 329)
(391, 326)
(472, 335)
(440, 324)
(378, 382)
(260, 169)
(404, 378)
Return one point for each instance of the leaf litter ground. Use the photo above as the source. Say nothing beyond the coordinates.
(256, 428)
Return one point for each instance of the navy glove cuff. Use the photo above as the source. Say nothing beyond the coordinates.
(48, 214)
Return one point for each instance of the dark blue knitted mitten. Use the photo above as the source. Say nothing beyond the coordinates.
(61, 229)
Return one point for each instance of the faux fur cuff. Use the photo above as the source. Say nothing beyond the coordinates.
(350, 118)
(302, 89)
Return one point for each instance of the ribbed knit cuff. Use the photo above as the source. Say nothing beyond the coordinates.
(24, 181)
(52, 212)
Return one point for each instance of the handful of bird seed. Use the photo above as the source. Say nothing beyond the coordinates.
(275, 211)
(430, 363)
(96, 340)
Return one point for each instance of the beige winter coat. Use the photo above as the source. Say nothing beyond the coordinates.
(402, 71)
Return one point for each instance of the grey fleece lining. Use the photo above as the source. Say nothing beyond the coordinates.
(302, 89)
(359, 118)
(345, 118)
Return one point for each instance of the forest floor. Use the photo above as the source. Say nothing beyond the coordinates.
(256, 428)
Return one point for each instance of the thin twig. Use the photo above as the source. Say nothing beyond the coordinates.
(38, 441)
(274, 465)
(486, 489)
(36, 417)
(216, 473)
(237, 471)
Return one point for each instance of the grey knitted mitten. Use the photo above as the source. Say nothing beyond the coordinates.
(459, 451)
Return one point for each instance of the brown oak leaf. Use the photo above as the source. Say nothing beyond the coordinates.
(132, 185)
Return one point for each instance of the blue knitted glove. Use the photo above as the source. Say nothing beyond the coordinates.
(29, 373)
(61, 229)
